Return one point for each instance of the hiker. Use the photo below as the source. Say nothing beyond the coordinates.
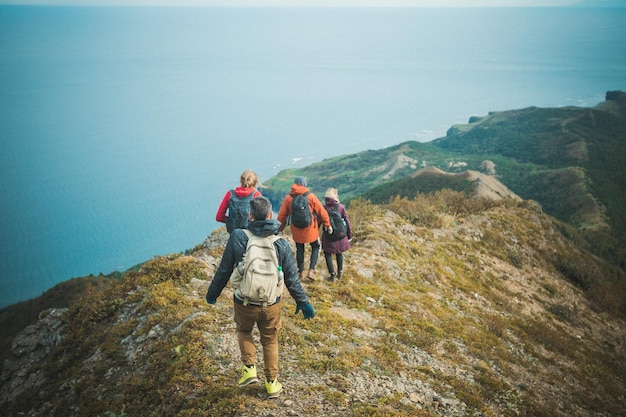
(237, 202)
(312, 212)
(336, 245)
(266, 317)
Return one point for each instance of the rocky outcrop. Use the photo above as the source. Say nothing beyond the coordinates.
(400, 162)
(486, 185)
(30, 347)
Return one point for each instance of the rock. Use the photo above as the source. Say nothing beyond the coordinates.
(218, 238)
(30, 346)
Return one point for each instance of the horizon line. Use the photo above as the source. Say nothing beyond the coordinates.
(285, 6)
(306, 3)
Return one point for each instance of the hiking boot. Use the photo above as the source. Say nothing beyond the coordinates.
(274, 388)
(311, 275)
(332, 277)
(248, 376)
(300, 275)
(339, 274)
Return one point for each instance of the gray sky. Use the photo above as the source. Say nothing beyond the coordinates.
(325, 3)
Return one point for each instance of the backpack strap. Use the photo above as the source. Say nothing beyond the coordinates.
(303, 195)
(272, 238)
(249, 234)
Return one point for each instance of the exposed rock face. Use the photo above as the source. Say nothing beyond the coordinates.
(217, 239)
(489, 167)
(615, 95)
(29, 347)
(401, 161)
(486, 185)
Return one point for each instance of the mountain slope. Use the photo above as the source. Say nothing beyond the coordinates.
(430, 179)
(570, 160)
(478, 316)
(576, 149)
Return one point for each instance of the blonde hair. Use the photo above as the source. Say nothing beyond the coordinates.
(249, 179)
(332, 193)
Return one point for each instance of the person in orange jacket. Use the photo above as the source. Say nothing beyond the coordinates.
(311, 233)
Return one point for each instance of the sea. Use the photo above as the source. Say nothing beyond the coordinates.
(121, 128)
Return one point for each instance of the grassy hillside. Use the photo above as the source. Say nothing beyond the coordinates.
(576, 158)
(354, 174)
(570, 160)
(409, 187)
(449, 307)
(581, 149)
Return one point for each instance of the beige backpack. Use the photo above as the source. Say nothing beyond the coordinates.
(256, 280)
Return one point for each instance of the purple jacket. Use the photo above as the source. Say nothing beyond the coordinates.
(342, 245)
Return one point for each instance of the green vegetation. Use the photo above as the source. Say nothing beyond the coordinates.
(354, 174)
(410, 188)
(570, 160)
(434, 297)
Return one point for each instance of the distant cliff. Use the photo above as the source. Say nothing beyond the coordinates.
(570, 160)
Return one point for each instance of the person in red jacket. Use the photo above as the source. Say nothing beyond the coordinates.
(311, 233)
(247, 189)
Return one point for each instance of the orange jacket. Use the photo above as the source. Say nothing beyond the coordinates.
(308, 234)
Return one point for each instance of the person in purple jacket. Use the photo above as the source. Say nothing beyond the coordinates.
(330, 247)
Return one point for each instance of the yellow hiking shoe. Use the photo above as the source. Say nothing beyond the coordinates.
(274, 388)
(248, 376)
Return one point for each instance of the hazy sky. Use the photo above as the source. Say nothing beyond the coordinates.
(257, 3)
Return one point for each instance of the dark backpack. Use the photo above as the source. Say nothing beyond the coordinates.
(300, 211)
(238, 211)
(340, 229)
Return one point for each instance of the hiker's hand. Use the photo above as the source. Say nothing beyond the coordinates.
(329, 229)
(211, 300)
(307, 311)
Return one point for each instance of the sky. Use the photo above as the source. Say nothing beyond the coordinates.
(321, 3)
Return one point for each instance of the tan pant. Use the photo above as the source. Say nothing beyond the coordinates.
(269, 324)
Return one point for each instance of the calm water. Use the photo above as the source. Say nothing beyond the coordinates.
(122, 128)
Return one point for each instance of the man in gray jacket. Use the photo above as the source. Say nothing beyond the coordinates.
(266, 317)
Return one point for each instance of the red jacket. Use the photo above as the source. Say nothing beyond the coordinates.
(310, 233)
(239, 192)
